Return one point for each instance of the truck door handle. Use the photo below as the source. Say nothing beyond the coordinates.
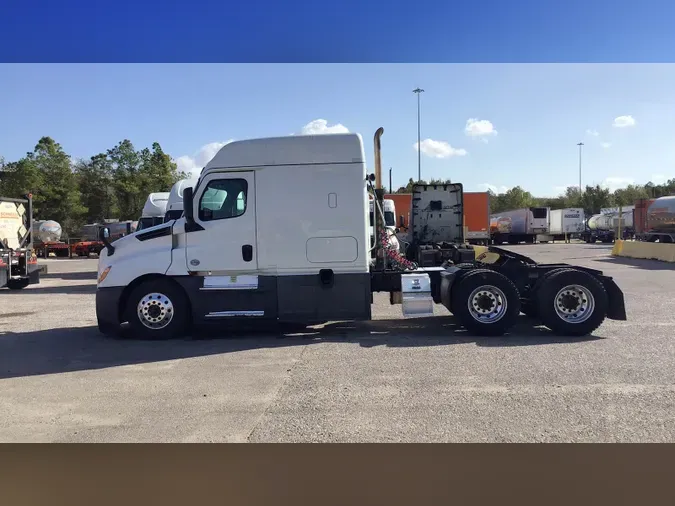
(247, 252)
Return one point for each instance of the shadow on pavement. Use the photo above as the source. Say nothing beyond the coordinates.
(639, 263)
(70, 275)
(60, 289)
(84, 348)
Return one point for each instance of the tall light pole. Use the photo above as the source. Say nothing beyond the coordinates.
(391, 190)
(418, 91)
(580, 144)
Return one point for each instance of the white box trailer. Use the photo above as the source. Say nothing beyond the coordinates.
(567, 222)
(278, 229)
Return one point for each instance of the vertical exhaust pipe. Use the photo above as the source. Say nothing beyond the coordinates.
(378, 160)
(378, 200)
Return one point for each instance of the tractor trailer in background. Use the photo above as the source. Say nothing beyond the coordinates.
(519, 225)
(18, 262)
(477, 218)
(154, 210)
(174, 206)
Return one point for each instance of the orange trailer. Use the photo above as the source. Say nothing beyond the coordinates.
(477, 217)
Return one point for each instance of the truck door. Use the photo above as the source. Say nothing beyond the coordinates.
(225, 210)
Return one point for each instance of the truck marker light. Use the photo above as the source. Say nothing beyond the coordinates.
(104, 274)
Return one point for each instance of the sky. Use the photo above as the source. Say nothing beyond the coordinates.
(484, 125)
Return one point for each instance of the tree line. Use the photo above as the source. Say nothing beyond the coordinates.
(115, 185)
(110, 185)
(591, 200)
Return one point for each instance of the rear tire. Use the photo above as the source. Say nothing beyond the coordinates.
(486, 302)
(17, 284)
(572, 303)
(158, 309)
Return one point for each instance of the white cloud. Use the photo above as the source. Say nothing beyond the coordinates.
(193, 165)
(593, 133)
(493, 188)
(614, 183)
(623, 121)
(320, 126)
(606, 145)
(438, 149)
(480, 128)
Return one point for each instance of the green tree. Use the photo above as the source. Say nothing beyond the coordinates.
(59, 196)
(627, 196)
(515, 198)
(95, 183)
(595, 198)
(20, 178)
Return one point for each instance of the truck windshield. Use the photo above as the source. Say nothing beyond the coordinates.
(389, 219)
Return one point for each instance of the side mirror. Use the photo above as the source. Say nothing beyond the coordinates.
(397, 230)
(104, 236)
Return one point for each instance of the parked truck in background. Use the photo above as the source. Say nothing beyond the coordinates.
(174, 206)
(477, 217)
(154, 210)
(226, 261)
(18, 261)
(389, 222)
(519, 225)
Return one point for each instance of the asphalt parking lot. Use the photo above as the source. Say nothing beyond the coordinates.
(389, 380)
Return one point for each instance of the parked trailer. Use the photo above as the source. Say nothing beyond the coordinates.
(640, 217)
(229, 262)
(89, 241)
(661, 220)
(598, 228)
(519, 225)
(47, 239)
(566, 223)
(18, 262)
(153, 210)
(477, 217)
(174, 205)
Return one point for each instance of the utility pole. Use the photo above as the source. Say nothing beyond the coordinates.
(580, 190)
(418, 91)
(391, 188)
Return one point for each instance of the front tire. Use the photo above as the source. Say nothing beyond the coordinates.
(17, 284)
(158, 309)
(486, 302)
(572, 303)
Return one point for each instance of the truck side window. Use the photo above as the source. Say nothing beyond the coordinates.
(223, 198)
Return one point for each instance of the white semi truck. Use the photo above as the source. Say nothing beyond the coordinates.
(174, 206)
(153, 210)
(278, 229)
(389, 222)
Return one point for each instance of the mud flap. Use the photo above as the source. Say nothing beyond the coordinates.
(617, 308)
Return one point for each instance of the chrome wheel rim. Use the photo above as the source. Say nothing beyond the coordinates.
(155, 311)
(487, 304)
(574, 304)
